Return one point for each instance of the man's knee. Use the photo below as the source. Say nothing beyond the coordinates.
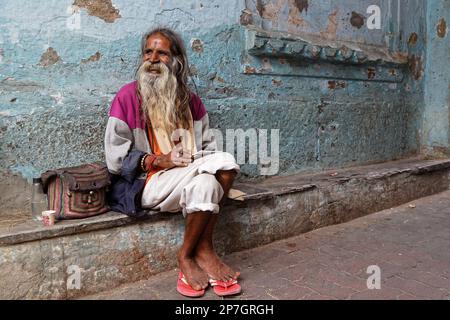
(226, 175)
(205, 182)
(205, 186)
(203, 193)
(229, 173)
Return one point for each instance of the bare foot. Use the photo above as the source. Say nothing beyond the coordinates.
(194, 275)
(210, 262)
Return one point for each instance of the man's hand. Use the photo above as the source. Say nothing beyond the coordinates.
(178, 157)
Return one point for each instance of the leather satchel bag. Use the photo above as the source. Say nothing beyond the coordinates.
(77, 192)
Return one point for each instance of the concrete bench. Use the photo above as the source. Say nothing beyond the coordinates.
(112, 249)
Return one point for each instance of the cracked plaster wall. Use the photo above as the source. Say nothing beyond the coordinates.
(61, 64)
(436, 117)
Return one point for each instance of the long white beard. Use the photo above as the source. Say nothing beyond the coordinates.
(158, 93)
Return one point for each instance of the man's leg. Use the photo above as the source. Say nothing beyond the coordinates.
(205, 255)
(194, 228)
(226, 179)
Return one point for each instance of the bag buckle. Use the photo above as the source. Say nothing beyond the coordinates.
(91, 193)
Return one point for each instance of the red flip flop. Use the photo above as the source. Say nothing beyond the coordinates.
(184, 288)
(223, 289)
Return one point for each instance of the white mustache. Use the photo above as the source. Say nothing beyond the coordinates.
(159, 67)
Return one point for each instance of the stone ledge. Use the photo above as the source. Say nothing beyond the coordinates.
(268, 189)
(113, 249)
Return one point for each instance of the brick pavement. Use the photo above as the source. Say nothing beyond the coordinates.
(410, 244)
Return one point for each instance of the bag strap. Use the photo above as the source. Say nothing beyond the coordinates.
(68, 171)
(46, 177)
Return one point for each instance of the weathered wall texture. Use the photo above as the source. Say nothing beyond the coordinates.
(340, 94)
(437, 79)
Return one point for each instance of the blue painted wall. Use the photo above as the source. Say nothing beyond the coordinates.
(435, 137)
(348, 97)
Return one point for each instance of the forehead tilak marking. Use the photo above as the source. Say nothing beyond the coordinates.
(156, 40)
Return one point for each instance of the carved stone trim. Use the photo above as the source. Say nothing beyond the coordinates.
(281, 54)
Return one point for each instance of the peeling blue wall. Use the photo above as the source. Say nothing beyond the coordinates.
(437, 77)
(331, 112)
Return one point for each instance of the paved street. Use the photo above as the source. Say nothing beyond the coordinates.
(410, 244)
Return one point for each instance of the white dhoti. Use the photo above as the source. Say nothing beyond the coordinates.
(189, 189)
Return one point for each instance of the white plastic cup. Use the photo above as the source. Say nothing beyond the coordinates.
(48, 217)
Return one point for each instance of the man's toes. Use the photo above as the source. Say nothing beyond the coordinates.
(228, 278)
(202, 282)
(196, 286)
(230, 275)
(223, 276)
